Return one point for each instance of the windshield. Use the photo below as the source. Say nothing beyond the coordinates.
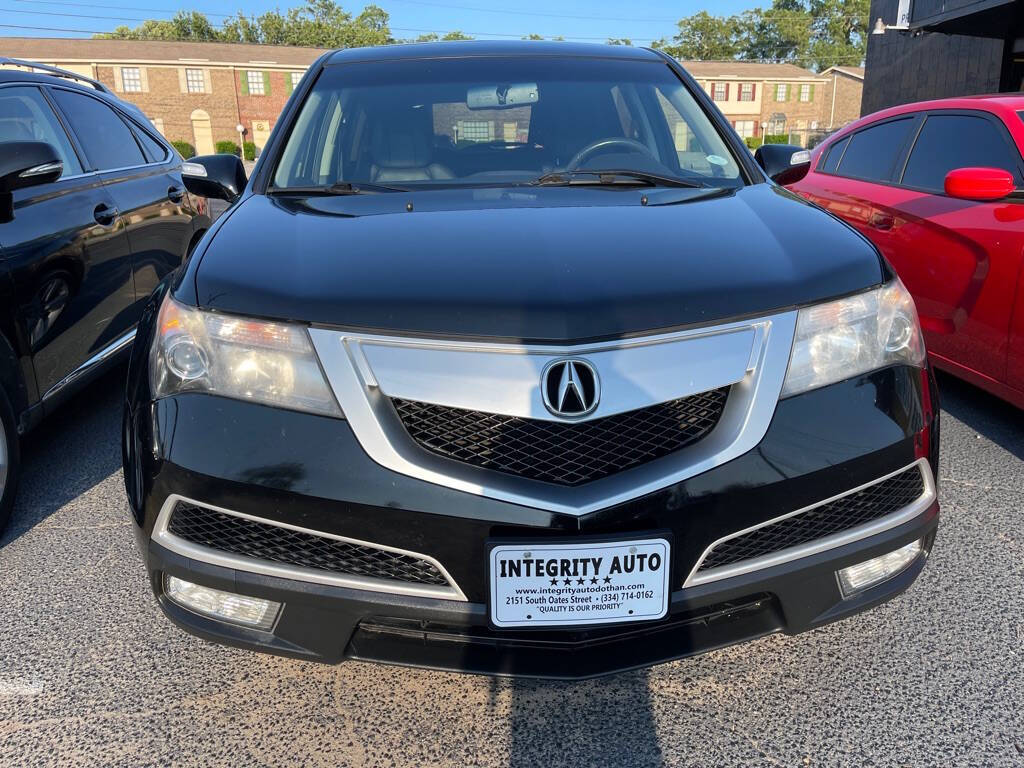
(497, 121)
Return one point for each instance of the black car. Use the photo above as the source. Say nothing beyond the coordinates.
(510, 359)
(93, 215)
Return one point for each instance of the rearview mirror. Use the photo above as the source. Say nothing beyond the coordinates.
(502, 96)
(784, 163)
(218, 176)
(28, 163)
(979, 183)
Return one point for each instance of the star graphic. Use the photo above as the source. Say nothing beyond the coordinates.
(593, 580)
(607, 579)
(554, 582)
(580, 581)
(568, 582)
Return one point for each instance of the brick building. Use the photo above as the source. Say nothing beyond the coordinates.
(773, 99)
(193, 92)
(843, 96)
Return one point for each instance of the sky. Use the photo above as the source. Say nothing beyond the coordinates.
(597, 20)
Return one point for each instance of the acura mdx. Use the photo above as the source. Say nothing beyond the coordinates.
(510, 358)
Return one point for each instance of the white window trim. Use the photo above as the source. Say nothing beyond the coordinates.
(124, 83)
(202, 80)
(249, 79)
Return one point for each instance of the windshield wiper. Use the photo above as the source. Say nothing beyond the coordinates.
(338, 188)
(613, 177)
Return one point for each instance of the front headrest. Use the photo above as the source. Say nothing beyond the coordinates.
(400, 146)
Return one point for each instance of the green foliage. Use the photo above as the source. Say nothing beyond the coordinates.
(776, 138)
(753, 141)
(456, 35)
(619, 41)
(534, 36)
(227, 148)
(318, 23)
(184, 149)
(249, 150)
(810, 33)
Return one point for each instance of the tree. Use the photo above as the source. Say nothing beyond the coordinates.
(703, 36)
(185, 25)
(456, 35)
(318, 23)
(809, 33)
(619, 41)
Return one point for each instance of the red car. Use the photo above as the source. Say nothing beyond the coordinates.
(938, 186)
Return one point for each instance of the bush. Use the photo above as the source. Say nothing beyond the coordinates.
(184, 149)
(227, 148)
(753, 142)
(249, 150)
(777, 138)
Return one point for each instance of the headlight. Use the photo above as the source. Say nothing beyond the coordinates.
(264, 362)
(848, 337)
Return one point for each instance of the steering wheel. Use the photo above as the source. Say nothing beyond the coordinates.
(596, 146)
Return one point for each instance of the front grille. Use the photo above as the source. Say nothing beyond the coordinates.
(248, 538)
(848, 512)
(559, 452)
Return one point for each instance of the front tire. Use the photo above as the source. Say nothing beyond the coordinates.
(10, 459)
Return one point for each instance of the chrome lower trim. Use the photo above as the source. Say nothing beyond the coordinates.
(94, 362)
(165, 538)
(365, 371)
(898, 517)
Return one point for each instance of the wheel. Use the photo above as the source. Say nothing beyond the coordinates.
(10, 459)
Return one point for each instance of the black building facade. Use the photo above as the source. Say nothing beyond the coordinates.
(953, 48)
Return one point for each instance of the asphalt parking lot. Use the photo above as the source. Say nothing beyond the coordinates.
(91, 674)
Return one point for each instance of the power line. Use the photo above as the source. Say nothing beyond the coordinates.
(538, 14)
(73, 15)
(769, 12)
(832, 60)
(116, 7)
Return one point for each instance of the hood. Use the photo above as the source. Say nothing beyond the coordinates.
(559, 264)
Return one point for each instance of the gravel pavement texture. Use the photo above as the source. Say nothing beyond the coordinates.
(92, 674)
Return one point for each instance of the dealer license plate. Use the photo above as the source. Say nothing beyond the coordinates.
(578, 583)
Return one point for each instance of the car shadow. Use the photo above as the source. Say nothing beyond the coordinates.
(75, 448)
(986, 414)
(605, 721)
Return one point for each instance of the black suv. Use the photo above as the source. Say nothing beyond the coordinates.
(93, 214)
(509, 358)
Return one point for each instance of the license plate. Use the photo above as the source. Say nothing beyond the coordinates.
(578, 583)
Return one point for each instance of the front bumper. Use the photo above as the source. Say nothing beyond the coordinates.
(330, 624)
(306, 470)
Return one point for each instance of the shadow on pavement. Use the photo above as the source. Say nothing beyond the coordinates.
(75, 448)
(986, 414)
(607, 721)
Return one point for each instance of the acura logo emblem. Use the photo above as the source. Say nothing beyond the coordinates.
(571, 388)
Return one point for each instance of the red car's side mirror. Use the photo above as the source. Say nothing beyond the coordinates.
(979, 183)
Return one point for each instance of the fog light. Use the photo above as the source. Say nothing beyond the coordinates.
(225, 606)
(859, 577)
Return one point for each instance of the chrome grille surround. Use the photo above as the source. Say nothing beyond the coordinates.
(366, 372)
(700, 575)
(164, 536)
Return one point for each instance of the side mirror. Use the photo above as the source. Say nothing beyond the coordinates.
(979, 183)
(218, 176)
(784, 163)
(28, 163)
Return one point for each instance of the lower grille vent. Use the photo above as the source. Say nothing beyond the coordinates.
(249, 538)
(863, 506)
